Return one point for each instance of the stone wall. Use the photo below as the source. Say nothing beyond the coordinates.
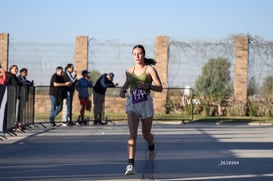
(112, 104)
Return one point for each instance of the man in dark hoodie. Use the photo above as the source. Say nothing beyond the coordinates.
(101, 85)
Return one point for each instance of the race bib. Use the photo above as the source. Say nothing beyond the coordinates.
(139, 95)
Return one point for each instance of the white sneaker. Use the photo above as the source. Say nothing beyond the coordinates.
(130, 170)
(64, 124)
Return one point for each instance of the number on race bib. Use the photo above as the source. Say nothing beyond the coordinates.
(139, 95)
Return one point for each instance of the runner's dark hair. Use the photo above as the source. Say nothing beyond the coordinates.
(147, 61)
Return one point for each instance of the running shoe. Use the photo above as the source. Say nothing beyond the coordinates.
(65, 124)
(130, 170)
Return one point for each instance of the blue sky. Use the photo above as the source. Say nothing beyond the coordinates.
(138, 20)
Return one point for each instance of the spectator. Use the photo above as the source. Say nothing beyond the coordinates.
(57, 92)
(12, 78)
(13, 90)
(23, 77)
(69, 76)
(23, 91)
(99, 90)
(3, 75)
(3, 98)
(82, 86)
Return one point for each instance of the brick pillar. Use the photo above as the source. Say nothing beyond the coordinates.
(241, 70)
(161, 56)
(81, 53)
(4, 49)
(81, 63)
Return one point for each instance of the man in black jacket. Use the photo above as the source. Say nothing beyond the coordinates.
(103, 82)
(57, 93)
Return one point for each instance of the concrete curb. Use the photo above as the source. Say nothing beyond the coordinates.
(260, 124)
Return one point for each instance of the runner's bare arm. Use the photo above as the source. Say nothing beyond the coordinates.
(157, 85)
(125, 86)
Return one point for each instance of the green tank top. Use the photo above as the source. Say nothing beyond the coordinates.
(133, 79)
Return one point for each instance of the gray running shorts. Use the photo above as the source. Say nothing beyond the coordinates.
(143, 109)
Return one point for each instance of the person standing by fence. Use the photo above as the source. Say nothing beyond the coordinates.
(24, 92)
(14, 95)
(139, 79)
(3, 98)
(3, 75)
(57, 93)
(104, 81)
(69, 75)
(82, 86)
(23, 77)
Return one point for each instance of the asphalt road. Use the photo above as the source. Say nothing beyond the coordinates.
(183, 152)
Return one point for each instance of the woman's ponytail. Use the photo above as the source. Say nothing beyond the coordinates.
(149, 61)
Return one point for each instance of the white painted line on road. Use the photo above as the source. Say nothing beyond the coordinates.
(256, 153)
(224, 177)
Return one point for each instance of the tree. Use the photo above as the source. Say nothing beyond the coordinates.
(215, 79)
(214, 83)
(94, 76)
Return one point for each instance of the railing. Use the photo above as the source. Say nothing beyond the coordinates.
(17, 107)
